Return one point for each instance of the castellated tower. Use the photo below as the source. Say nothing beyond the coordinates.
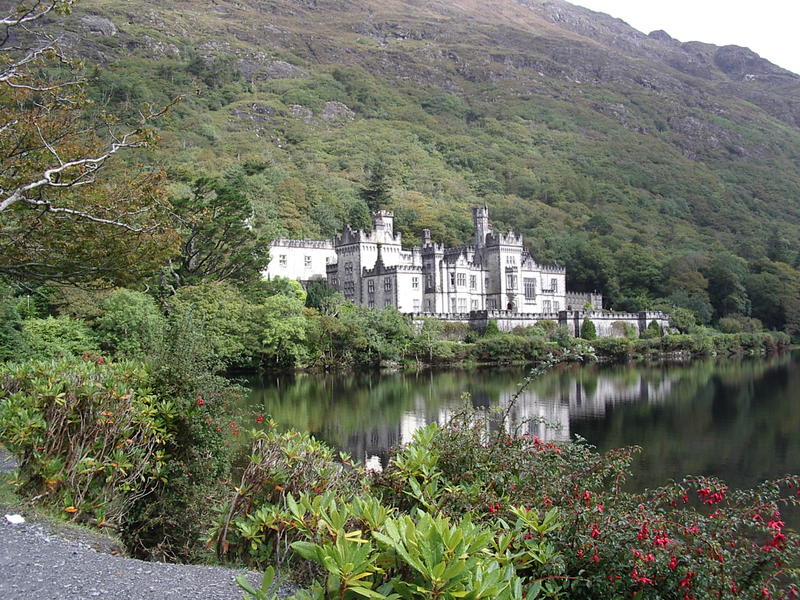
(383, 225)
(480, 219)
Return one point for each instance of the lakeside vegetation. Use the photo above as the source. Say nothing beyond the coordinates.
(464, 510)
(274, 327)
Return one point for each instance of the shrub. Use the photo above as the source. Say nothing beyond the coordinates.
(222, 313)
(455, 332)
(491, 328)
(653, 330)
(548, 325)
(613, 348)
(588, 330)
(56, 337)
(562, 336)
(682, 319)
(470, 510)
(117, 444)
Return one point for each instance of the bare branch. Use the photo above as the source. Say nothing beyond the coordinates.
(36, 12)
(84, 215)
(50, 176)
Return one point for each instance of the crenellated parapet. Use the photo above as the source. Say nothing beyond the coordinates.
(503, 239)
(554, 269)
(304, 243)
(381, 269)
(433, 248)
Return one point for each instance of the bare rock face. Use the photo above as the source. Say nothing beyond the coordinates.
(98, 25)
(744, 64)
(337, 111)
(280, 69)
(302, 113)
(256, 117)
(662, 36)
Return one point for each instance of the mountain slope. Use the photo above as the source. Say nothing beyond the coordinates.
(600, 143)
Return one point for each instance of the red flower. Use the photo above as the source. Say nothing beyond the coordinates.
(643, 532)
(580, 553)
(595, 531)
(640, 578)
(661, 539)
(596, 558)
(200, 401)
(687, 581)
(259, 419)
(775, 542)
(673, 562)
(775, 524)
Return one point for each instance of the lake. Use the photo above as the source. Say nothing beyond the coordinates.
(735, 419)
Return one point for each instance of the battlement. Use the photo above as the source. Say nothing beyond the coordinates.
(352, 236)
(504, 239)
(577, 300)
(556, 269)
(304, 243)
(381, 269)
(433, 248)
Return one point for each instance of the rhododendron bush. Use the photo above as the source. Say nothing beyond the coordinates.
(689, 539)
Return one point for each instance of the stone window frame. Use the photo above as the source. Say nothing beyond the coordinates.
(529, 285)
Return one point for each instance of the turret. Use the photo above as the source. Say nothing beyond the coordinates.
(383, 220)
(480, 219)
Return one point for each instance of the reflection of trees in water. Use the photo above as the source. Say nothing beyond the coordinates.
(704, 417)
(738, 420)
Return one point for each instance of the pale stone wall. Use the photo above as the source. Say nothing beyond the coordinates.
(496, 273)
(607, 324)
(302, 260)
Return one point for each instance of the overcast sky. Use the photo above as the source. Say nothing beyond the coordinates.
(770, 28)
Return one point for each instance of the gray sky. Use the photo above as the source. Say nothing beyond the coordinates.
(770, 28)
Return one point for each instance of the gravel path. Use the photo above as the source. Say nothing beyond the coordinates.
(46, 562)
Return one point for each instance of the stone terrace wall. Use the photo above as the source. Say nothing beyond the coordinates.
(607, 324)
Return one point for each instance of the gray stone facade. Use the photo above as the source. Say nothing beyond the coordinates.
(495, 272)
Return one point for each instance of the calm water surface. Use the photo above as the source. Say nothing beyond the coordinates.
(735, 419)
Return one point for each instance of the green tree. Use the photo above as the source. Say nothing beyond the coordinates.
(131, 324)
(428, 335)
(323, 297)
(219, 242)
(376, 191)
(11, 336)
(53, 337)
(682, 319)
(726, 274)
(221, 313)
(283, 331)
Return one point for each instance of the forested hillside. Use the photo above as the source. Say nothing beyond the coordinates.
(660, 172)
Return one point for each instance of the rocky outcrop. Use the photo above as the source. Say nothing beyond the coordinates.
(98, 25)
(336, 111)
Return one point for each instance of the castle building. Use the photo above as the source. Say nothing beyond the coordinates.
(494, 273)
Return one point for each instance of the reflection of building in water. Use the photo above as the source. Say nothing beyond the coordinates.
(544, 414)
